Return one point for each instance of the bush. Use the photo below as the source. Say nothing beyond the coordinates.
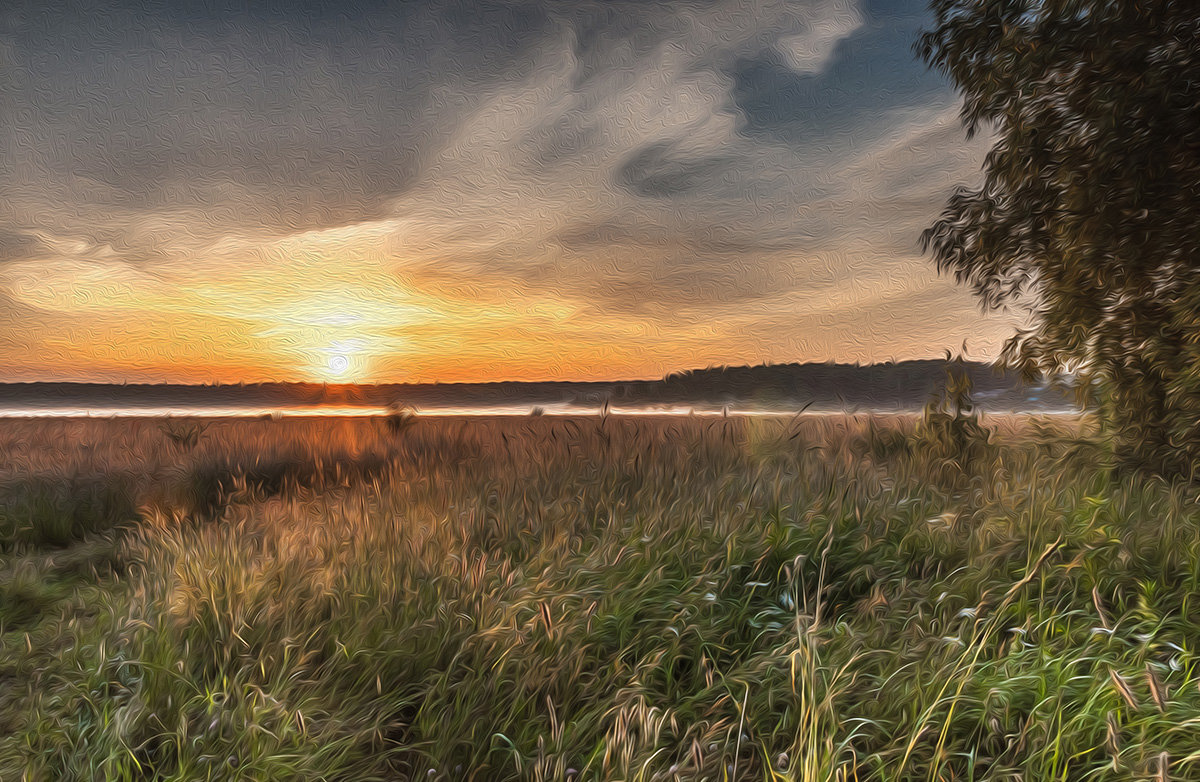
(949, 442)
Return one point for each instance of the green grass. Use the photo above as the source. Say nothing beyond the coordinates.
(547, 598)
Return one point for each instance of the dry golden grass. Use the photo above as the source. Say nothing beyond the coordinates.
(820, 598)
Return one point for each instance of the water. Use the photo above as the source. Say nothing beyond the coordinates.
(334, 411)
(51, 410)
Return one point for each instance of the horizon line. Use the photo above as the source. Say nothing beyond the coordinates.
(994, 363)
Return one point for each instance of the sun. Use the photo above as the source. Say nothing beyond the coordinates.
(339, 365)
(342, 361)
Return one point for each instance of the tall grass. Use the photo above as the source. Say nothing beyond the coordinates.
(550, 598)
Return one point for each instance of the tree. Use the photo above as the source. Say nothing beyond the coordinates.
(1089, 213)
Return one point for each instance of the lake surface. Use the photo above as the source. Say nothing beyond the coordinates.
(52, 410)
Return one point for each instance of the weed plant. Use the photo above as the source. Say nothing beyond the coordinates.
(609, 598)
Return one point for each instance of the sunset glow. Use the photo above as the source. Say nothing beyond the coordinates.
(525, 204)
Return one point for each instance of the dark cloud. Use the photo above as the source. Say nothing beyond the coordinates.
(315, 116)
(18, 245)
(560, 141)
(720, 240)
(319, 114)
(655, 171)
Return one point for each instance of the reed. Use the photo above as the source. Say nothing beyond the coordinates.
(823, 598)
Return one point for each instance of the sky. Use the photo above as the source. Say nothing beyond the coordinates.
(433, 191)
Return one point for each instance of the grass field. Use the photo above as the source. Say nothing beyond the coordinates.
(606, 598)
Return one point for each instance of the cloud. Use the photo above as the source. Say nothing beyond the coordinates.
(18, 245)
(810, 52)
(660, 171)
(654, 172)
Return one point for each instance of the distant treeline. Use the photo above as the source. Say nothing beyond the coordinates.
(902, 385)
(905, 384)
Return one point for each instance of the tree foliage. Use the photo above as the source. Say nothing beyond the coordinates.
(1088, 211)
